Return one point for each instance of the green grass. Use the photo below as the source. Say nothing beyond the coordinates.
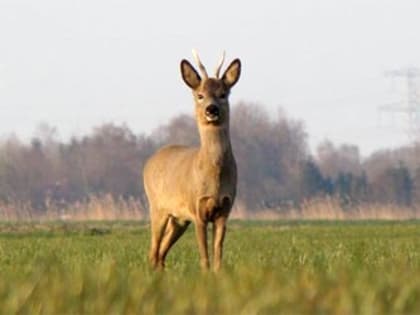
(269, 268)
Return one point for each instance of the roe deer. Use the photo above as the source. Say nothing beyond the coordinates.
(186, 184)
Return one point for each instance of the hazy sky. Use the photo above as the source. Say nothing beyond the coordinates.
(76, 64)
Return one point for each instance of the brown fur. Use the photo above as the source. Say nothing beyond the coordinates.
(185, 184)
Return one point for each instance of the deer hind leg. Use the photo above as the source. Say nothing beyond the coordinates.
(158, 225)
(173, 232)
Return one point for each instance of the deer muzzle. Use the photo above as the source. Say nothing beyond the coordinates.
(212, 113)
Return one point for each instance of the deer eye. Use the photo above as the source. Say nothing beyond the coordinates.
(200, 96)
(223, 96)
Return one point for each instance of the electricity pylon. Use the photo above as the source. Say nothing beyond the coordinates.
(408, 108)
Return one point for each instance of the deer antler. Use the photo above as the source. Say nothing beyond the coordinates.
(199, 63)
(220, 64)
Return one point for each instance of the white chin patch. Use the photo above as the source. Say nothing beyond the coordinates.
(212, 119)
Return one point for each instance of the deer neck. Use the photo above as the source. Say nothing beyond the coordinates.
(215, 146)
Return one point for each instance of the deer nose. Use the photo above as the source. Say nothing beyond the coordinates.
(212, 110)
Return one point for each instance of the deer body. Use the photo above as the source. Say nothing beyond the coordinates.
(186, 184)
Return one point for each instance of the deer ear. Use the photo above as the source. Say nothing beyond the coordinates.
(232, 73)
(189, 74)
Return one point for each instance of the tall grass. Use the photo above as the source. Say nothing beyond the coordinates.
(100, 208)
(106, 207)
(330, 208)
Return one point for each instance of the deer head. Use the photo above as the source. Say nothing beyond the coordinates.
(211, 94)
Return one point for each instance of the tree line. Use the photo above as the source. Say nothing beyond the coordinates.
(276, 168)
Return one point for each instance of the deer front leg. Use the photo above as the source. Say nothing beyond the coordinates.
(219, 230)
(204, 207)
(158, 224)
(201, 233)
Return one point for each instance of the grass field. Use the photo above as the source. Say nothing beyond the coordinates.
(270, 268)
